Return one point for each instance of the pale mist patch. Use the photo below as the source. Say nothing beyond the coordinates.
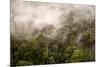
(29, 18)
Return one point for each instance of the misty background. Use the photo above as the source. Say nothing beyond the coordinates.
(27, 18)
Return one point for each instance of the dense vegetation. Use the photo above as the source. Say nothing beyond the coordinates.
(74, 42)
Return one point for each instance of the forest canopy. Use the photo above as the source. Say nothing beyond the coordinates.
(51, 33)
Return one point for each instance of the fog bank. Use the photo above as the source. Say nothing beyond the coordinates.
(27, 17)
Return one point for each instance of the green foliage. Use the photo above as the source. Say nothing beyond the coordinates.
(77, 55)
(21, 63)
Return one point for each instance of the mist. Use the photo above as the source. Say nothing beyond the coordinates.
(26, 17)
